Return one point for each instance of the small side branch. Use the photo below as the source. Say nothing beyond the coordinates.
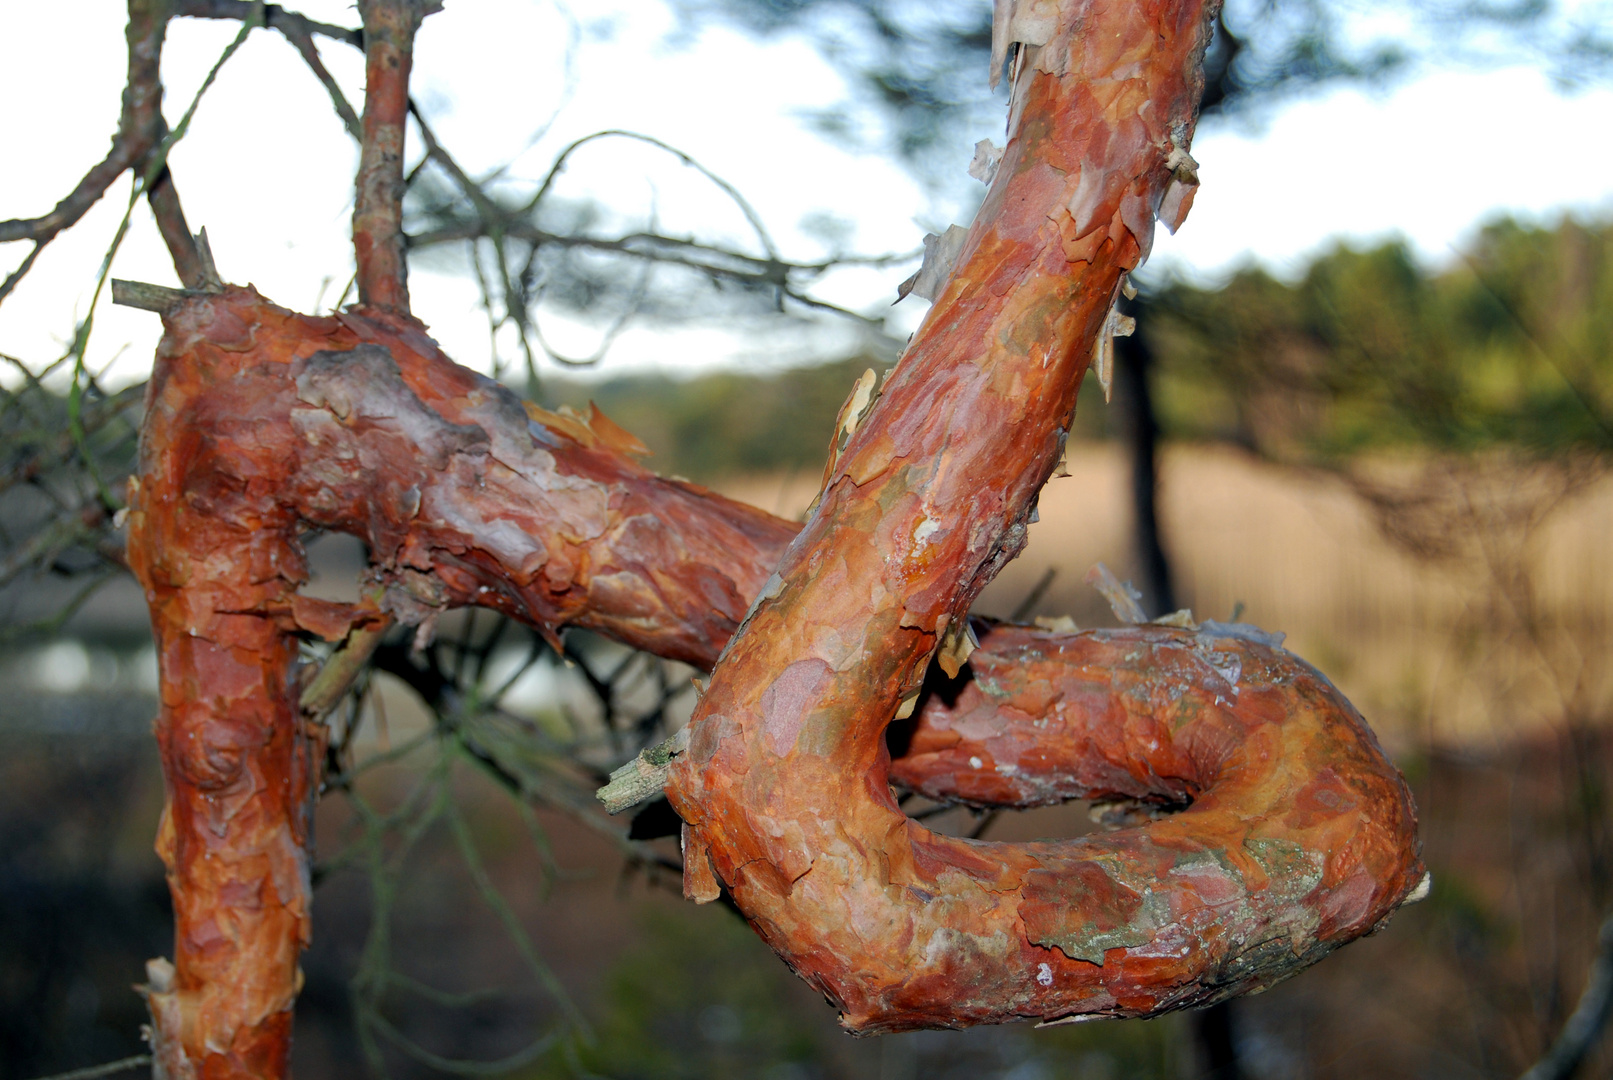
(378, 243)
(147, 297)
(140, 129)
(189, 264)
(643, 778)
(299, 30)
(301, 37)
(336, 677)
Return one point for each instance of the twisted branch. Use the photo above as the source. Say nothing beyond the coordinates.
(1291, 852)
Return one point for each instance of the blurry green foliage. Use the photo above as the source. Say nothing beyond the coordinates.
(728, 422)
(701, 997)
(1511, 346)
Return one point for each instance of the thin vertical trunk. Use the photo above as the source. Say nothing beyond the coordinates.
(1133, 374)
(1214, 1028)
(378, 240)
(239, 764)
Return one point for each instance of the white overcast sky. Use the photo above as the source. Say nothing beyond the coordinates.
(267, 168)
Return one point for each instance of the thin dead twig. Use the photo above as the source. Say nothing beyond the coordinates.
(745, 208)
(298, 33)
(140, 130)
(707, 258)
(92, 1072)
(299, 30)
(492, 221)
(137, 132)
(1584, 1028)
(274, 16)
(176, 234)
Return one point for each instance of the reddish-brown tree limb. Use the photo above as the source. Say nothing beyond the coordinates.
(262, 423)
(378, 241)
(784, 783)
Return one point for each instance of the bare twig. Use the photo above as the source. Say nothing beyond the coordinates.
(336, 677)
(745, 208)
(297, 31)
(706, 258)
(644, 777)
(140, 129)
(499, 224)
(147, 297)
(274, 16)
(48, 542)
(151, 164)
(141, 142)
(636, 300)
(111, 1068)
(21, 271)
(170, 215)
(1584, 1028)
(492, 221)
(1027, 606)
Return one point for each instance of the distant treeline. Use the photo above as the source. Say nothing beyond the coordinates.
(1511, 345)
(726, 423)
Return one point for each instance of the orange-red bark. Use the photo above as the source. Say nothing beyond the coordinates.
(262, 423)
(378, 240)
(784, 784)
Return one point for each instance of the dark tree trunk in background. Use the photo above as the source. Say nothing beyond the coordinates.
(1140, 430)
(1213, 1028)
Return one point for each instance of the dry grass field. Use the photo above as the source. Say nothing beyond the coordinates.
(1479, 610)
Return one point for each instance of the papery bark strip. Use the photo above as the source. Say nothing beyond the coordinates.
(261, 424)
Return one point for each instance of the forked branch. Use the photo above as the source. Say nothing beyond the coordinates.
(136, 143)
